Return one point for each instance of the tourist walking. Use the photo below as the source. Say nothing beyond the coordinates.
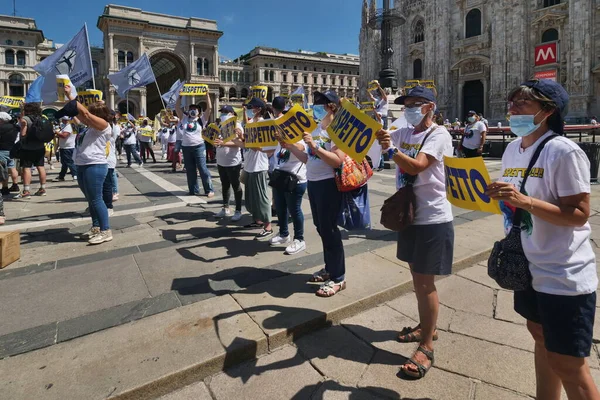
(32, 150)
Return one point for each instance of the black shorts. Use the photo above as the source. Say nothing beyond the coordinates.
(567, 321)
(470, 153)
(32, 158)
(429, 248)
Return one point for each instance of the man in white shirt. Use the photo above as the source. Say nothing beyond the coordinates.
(66, 143)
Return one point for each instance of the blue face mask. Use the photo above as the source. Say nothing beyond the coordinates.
(250, 114)
(319, 112)
(471, 119)
(523, 125)
(223, 117)
(413, 115)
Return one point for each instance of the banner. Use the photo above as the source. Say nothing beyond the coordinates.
(194, 89)
(138, 73)
(353, 131)
(89, 97)
(294, 123)
(295, 95)
(466, 182)
(228, 128)
(211, 133)
(297, 99)
(260, 92)
(261, 134)
(11, 101)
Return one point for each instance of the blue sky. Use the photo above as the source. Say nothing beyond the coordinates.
(316, 25)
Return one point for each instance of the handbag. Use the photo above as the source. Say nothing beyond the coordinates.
(352, 175)
(355, 213)
(398, 212)
(508, 264)
(284, 181)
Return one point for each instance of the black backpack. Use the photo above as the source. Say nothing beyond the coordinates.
(41, 129)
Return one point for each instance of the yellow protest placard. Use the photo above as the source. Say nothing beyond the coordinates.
(228, 128)
(11, 101)
(260, 92)
(353, 131)
(89, 97)
(373, 85)
(194, 89)
(367, 106)
(298, 99)
(211, 133)
(466, 181)
(261, 134)
(147, 131)
(294, 123)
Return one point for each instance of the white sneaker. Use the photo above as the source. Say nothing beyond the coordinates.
(111, 212)
(236, 216)
(296, 247)
(279, 240)
(91, 233)
(225, 212)
(103, 236)
(75, 178)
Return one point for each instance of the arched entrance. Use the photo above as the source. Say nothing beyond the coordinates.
(122, 107)
(167, 69)
(472, 97)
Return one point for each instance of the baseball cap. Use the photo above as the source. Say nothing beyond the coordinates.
(472, 113)
(227, 110)
(4, 116)
(417, 91)
(279, 103)
(255, 102)
(326, 97)
(552, 90)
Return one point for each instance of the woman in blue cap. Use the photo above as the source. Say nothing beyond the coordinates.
(554, 207)
(428, 244)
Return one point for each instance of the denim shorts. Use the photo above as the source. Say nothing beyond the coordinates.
(5, 156)
(567, 321)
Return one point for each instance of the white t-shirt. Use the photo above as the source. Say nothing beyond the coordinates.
(317, 169)
(229, 156)
(473, 135)
(112, 154)
(91, 145)
(132, 136)
(192, 136)
(432, 206)
(286, 161)
(171, 135)
(382, 107)
(69, 141)
(179, 131)
(561, 259)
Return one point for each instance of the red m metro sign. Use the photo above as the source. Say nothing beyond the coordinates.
(546, 54)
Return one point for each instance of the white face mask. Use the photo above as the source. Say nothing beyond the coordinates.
(414, 115)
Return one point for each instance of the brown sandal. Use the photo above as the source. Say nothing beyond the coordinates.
(421, 369)
(408, 335)
(331, 288)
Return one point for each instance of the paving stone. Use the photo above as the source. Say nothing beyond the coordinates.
(59, 295)
(332, 390)
(337, 353)
(27, 340)
(407, 305)
(492, 330)
(28, 270)
(488, 392)
(91, 258)
(489, 362)
(505, 308)
(461, 294)
(197, 391)
(155, 356)
(389, 254)
(382, 378)
(279, 375)
(478, 273)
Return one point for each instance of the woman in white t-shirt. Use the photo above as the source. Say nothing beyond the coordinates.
(474, 137)
(110, 189)
(229, 164)
(555, 234)
(288, 200)
(174, 157)
(322, 158)
(91, 152)
(428, 244)
(129, 136)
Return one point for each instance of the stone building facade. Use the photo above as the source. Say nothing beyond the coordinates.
(476, 51)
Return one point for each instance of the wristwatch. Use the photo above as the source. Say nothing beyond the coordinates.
(392, 151)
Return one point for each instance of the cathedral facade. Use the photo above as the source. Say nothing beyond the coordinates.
(477, 51)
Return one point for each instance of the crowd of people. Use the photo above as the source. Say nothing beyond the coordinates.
(553, 206)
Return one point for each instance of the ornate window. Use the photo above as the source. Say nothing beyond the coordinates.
(473, 23)
(9, 57)
(199, 66)
(550, 35)
(549, 3)
(271, 76)
(223, 76)
(221, 90)
(129, 57)
(232, 93)
(20, 57)
(121, 59)
(16, 85)
(266, 75)
(247, 76)
(284, 77)
(244, 93)
(95, 67)
(419, 31)
(229, 76)
(417, 69)
(206, 67)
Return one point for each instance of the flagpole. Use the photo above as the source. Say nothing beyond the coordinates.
(127, 104)
(87, 36)
(160, 94)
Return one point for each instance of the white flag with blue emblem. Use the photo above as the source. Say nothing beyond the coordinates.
(138, 73)
(73, 59)
(301, 90)
(171, 96)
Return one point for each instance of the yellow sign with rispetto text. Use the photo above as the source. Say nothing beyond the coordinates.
(353, 131)
(261, 134)
(260, 92)
(89, 97)
(211, 133)
(294, 123)
(194, 89)
(228, 128)
(466, 182)
(11, 101)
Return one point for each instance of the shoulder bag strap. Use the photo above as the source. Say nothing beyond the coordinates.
(536, 155)
(412, 178)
